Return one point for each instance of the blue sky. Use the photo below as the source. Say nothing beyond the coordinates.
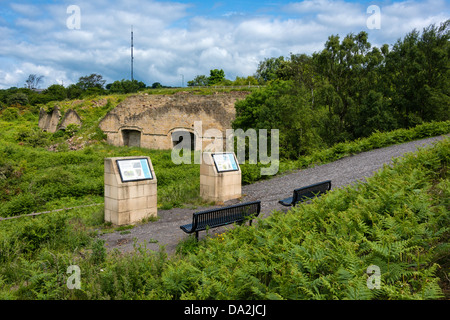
(185, 37)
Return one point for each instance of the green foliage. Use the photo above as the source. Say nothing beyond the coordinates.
(199, 81)
(92, 81)
(398, 221)
(419, 75)
(252, 173)
(273, 107)
(268, 69)
(19, 98)
(10, 114)
(33, 137)
(350, 90)
(216, 76)
(55, 92)
(126, 86)
(322, 250)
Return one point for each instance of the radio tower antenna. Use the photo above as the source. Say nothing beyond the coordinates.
(132, 57)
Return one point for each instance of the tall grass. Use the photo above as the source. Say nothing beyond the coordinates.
(33, 179)
(399, 220)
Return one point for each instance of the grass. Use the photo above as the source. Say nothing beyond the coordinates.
(33, 179)
(398, 221)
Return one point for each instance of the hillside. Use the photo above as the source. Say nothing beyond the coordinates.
(43, 171)
(397, 221)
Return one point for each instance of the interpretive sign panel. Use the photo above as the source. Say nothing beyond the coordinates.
(134, 170)
(225, 162)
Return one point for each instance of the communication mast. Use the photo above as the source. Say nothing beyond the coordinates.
(132, 57)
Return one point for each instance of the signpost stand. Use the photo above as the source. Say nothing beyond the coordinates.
(130, 190)
(220, 177)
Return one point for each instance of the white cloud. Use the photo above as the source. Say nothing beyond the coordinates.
(36, 26)
(170, 40)
(16, 75)
(26, 9)
(324, 6)
(398, 19)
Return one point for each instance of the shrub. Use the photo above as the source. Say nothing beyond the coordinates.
(33, 137)
(10, 114)
(23, 203)
(322, 250)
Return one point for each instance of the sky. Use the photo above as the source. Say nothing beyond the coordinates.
(174, 41)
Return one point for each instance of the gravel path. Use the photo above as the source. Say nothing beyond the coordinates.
(166, 231)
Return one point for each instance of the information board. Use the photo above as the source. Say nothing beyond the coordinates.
(225, 162)
(134, 170)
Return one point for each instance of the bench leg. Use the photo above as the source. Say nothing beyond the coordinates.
(196, 235)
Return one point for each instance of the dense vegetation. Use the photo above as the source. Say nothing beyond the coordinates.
(89, 87)
(351, 89)
(347, 99)
(397, 221)
(39, 171)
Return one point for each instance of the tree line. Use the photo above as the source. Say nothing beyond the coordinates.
(351, 89)
(89, 85)
(217, 78)
(344, 92)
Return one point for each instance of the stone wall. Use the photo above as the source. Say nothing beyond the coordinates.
(51, 122)
(70, 117)
(149, 121)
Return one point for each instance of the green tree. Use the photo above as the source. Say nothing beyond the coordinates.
(241, 81)
(216, 76)
(55, 92)
(126, 86)
(267, 69)
(199, 81)
(375, 114)
(417, 73)
(18, 98)
(74, 91)
(92, 81)
(350, 69)
(301, 69)
(284, 106)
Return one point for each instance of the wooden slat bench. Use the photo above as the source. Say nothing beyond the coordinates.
(213, 218)
(306, 193)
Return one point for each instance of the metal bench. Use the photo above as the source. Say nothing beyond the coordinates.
(213, 218)
(306, 193)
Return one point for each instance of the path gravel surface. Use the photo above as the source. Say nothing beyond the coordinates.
(166, 231)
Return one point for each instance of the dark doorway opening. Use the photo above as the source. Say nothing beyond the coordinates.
(131, 138)
(183, 139)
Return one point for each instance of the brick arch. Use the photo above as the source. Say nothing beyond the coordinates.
(131, 136)
(179, 134)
